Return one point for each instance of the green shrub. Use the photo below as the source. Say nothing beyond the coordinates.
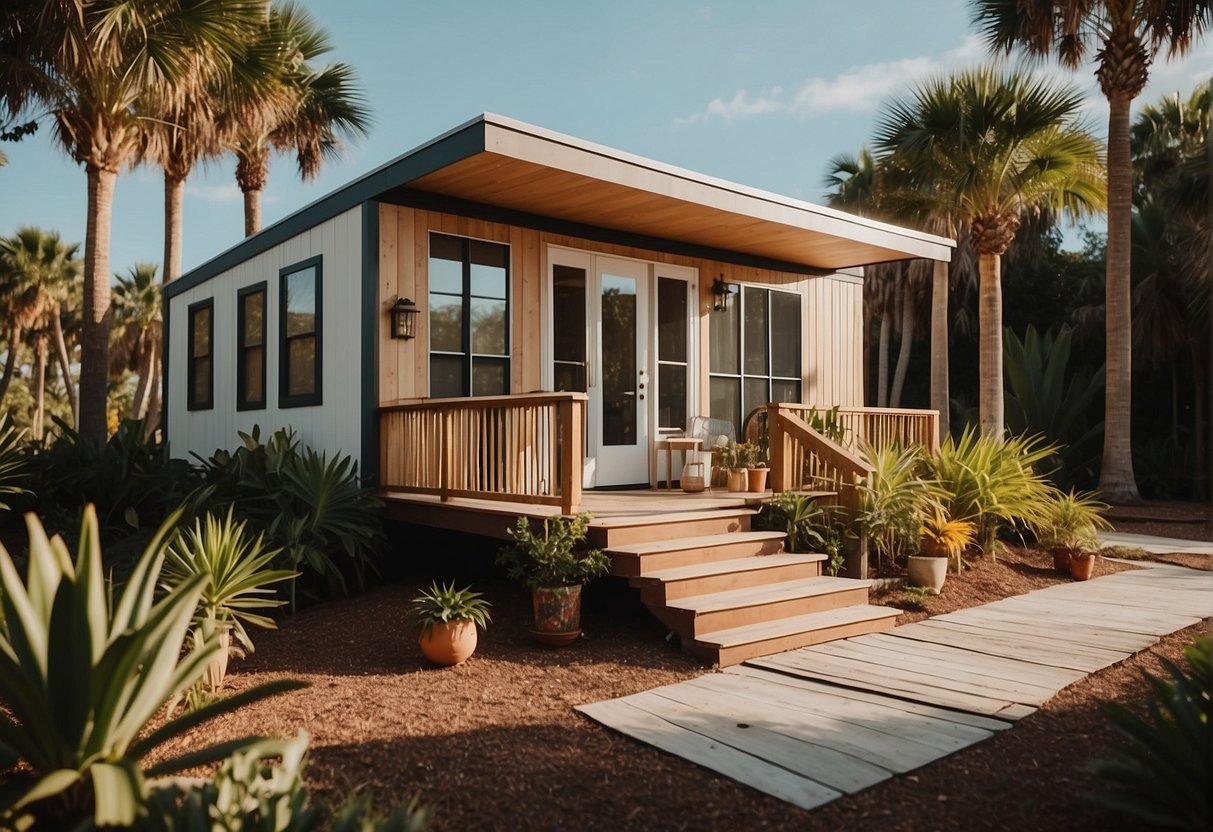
(1071, 520)
(991, 481)
(82, 676)
(892, 500)
(806, 522)
(326, 525)
(1162, 775)
(555, 558)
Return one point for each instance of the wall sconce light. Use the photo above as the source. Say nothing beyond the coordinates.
(721, 292)
(404, 318)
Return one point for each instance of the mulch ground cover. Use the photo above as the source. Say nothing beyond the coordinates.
(495, 743)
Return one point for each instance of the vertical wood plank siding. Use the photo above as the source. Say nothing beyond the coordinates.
(831, 308)
(334, 426)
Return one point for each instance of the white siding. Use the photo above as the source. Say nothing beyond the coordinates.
(335, 425)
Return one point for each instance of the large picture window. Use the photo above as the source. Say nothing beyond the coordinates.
(200, 393)
(300, 326)
(250, 347)
(755, 353)
(469, 317)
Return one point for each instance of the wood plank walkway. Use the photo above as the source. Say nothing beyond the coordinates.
(812, 724)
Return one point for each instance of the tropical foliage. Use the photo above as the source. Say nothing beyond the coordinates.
(309, 507)
(556, 557)
(82, 674)
(807, 522)
(893, 499)
(13, 461)
(1161, 775)
(443, 603)
(1071, 520)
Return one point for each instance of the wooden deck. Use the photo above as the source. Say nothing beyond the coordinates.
(810, 725)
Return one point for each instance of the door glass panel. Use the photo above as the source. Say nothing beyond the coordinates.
(671, 320)
(785, 330)
(619, 405)
(672, 402)
(488, 326)
(726, 400)
(446, 323)
(446, 264)
(569, 331)
(488, 377)
(755, 303)
(755, 396)
(489, 263)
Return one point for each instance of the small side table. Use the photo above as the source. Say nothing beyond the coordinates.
(672, 445)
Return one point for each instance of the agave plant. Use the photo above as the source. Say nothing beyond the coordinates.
(442, 604)
(1162, 775)
(237, 584)
(82, 676)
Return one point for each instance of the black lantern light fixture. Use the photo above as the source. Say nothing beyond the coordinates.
(721, 292)
(404, 318)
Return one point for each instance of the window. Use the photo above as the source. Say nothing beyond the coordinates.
(200, 393)
(672, 354)
(755, 353)
(250, 348)
(299, 325)
(469, 317)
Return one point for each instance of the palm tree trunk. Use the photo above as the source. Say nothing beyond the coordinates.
(152, 422)
(10, 361)
(989, 355)
(252, 169)
(147, 380)
(65, 365)
(252, 212)
(939, 345)
(882, 359)
(1117, 484)
(36, 424)
(95, 327)
(907, 342)
(174, 199)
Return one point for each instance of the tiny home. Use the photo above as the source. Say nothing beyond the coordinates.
(508, 312)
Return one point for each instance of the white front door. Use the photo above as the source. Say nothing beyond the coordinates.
(620, 381)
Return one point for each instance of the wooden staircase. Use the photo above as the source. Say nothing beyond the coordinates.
(731, 593)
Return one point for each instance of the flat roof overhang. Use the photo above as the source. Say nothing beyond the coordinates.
(540, 174)
(528, 169)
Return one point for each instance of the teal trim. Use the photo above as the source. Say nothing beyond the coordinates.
(370, 343)
(460, 143)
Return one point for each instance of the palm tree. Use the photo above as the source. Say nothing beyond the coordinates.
(93, 65)
(987, 147)
(137, 333)
(293, 106)
(39, 277)
(1123, 36)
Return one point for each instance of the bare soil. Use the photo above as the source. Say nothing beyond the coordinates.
(495, 743)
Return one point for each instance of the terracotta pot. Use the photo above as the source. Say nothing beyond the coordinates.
(927, 571)
(1061, 559)
(449, 643)
(738, 481)
(757, 478)
(1082, 565)
(557, 612)
(216, 671)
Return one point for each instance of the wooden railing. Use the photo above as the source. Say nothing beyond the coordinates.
(880, 426)
(803, 459)
(525, 449)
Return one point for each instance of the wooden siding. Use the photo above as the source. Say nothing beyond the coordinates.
(831, 357)
(335, 426)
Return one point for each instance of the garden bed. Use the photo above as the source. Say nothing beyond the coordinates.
(495, 743)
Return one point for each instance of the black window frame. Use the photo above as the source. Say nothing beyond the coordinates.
(466, 296)
(316, 397)
(192, 402)
(770, 377)
(242, 400)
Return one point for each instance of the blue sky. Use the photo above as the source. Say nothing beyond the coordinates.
(759, 93)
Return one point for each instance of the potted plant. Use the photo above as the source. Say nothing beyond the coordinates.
(941, 538)
(1068, 528)
(730, 456)
(756, 466)
(554, 563)
(447, 619)
(237, 586)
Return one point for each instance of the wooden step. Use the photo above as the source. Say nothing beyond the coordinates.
(611, 533)
(636, 559)
(717, 611)
(662, 585)
(735, 645)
